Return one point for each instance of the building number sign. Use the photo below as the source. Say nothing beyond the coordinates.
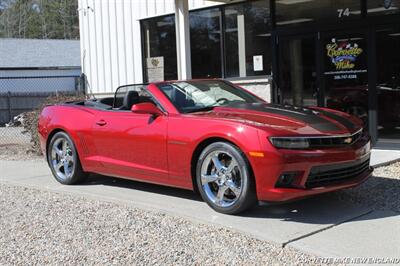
(343, 12)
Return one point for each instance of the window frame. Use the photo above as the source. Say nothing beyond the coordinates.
(143, 38)
(221, 9)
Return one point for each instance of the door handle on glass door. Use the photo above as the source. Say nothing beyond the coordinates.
(101, 122)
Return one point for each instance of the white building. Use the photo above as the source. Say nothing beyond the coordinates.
(337, 54)
(120, 39)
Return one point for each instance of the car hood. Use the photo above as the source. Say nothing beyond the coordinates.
(288, 119)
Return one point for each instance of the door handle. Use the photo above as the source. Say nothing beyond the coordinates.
(101, 122)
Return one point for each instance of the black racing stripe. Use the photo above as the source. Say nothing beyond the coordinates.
(302, 114)
(340, 119)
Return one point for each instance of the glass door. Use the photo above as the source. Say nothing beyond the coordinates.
(388, 82)
(297, 76)
(345, 72)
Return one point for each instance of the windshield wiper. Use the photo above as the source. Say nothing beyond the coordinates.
(203, 109)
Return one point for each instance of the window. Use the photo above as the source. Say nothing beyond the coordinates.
(202, 95)
(381, 7)
(231, 41)
(346, 72)
(247, 39)
(291, 12)
(388, 81)
(297, 70)
(226, 41)
(159, 45)
(128, 95)
(205, 41)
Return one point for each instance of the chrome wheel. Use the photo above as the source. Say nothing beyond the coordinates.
(221, 178)
(62, 158)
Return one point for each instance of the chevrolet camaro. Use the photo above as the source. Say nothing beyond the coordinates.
(209, 136)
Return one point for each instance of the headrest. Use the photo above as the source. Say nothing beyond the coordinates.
(131, 98)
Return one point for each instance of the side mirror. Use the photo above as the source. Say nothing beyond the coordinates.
(146, 108)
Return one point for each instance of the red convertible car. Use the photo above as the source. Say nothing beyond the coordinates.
(209, 136)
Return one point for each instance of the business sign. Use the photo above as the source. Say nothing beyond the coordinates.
(155, 68)
(346, 59)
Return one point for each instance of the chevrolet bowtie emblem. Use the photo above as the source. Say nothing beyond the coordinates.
(348, 140)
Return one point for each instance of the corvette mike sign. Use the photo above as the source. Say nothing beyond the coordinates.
(345, 59)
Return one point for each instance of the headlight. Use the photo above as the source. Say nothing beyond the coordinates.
(290, 143)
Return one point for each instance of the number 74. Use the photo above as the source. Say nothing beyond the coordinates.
(343, 12)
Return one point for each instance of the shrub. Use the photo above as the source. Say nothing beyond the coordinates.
(30, 119)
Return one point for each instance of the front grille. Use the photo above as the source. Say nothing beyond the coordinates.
(333, 174)
(335, 141)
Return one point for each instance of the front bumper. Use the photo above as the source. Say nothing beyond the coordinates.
(267, 170)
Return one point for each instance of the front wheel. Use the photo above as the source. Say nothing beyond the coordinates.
(64, 161)
(224, 179)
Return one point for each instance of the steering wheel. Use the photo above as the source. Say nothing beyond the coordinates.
(222, 100)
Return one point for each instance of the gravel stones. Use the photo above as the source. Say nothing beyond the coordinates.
(381, 191)
(40, 227)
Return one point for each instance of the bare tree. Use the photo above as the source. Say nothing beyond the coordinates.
(56, 19)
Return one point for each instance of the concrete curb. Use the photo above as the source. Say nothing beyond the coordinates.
(385, 163)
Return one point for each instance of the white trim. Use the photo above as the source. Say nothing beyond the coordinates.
(183, 39)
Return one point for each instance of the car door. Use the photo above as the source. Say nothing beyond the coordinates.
(132, 145)
(129, 144)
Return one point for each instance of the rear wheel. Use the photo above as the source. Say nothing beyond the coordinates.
(224, 178)
(64, 160)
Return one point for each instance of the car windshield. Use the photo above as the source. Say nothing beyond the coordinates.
(202, 95)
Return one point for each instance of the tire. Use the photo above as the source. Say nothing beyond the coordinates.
(224, 178)
(64, 161)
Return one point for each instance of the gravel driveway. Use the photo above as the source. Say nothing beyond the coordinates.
(41, 227)
(381, 192)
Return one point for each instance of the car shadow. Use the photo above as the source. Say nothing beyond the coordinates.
(377, 193)
(95, 179)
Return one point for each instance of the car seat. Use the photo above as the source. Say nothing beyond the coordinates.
(131, 98)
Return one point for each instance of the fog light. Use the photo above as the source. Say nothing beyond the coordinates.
(288, 179)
